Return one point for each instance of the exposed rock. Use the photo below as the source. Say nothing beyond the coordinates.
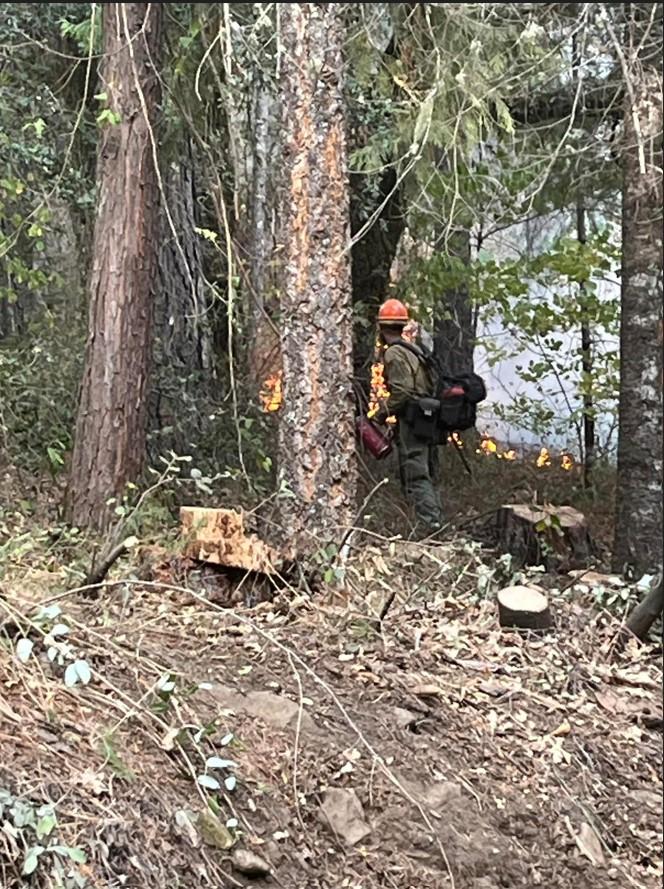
(404, 718)
(596, 578)
(185, 827)
(343, 813)
(435, 796)
(441, 794)
(250, 864)
(275, 710)
(213, 832)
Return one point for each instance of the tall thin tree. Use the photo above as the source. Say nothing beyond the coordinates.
(638, 533)
(109, 445)
(316, 437)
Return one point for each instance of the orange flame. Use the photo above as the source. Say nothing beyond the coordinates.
(271, 393)
(489, 448)
(544, 458)
(378, 392)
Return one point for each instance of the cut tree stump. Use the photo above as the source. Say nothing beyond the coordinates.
(556, 537)
(524, 608)
(218, 536)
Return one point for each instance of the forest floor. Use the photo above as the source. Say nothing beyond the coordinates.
(434, 750)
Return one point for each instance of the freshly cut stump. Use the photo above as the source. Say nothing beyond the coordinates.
(218, 536)
(524, 607)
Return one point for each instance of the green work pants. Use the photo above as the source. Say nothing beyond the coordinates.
(418, 467)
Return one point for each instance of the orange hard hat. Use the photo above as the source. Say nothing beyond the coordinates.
(393, 311)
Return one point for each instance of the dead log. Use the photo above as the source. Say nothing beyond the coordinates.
(556, 537)
(524, 608)
(219, 536)
(644, 615)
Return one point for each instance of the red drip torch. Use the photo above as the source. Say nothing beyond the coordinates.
(374, 439)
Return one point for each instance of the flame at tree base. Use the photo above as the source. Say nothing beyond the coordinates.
(271, 394)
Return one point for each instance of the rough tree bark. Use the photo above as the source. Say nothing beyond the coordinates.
(638, 529)
(109, 445)
(263, 351)
(454, 331)
(182, 340)
(316, 434)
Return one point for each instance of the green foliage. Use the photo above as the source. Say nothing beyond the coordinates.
(80, 31)
(33, 829)
(39, 379)
(541, 301)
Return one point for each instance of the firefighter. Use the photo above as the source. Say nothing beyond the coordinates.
(407, 378)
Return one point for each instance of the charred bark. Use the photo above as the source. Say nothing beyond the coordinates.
(182, 344)
(638, 529)
(316, 434)
(109, 445)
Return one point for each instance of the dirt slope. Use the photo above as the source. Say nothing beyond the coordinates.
(439, 752)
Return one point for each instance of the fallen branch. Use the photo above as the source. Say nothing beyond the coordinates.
(644, 615)
(99, 571)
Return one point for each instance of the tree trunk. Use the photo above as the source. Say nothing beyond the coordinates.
(454, 331)
(638, 530)
(264, 340)
(586, 333)
(586, 365)
(372, 256)
(109, 446)
(316, 434)
(182, 345)
(644, 615)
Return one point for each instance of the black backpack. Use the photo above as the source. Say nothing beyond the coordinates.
(458, 395)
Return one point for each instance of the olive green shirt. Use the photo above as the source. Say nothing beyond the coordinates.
(406, 378)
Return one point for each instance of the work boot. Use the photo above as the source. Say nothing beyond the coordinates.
(423, 532)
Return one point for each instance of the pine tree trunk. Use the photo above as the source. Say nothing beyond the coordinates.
(316, 435)
(109, 445)
(182, 342)
(638, 532)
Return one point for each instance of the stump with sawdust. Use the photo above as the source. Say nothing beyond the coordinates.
(219, 536)
(524, 608)
(556, 537)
